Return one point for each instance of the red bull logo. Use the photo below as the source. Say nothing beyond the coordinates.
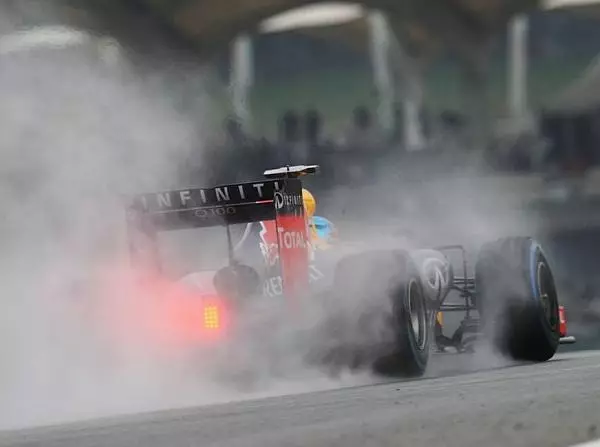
(268, 242)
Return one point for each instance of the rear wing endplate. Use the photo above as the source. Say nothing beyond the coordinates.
(291, 171)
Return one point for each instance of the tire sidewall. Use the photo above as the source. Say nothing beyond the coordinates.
(407, 341)
(395, 271)
(535, 257)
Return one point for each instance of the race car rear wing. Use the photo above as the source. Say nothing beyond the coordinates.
(277, 199)
(217, 206)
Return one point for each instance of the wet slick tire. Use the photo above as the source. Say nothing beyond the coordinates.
(391, 280)
(517, 299)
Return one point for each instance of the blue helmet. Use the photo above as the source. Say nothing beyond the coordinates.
(323, 228)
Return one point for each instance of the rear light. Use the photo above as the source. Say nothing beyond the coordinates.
(562, 321)
(212, 317)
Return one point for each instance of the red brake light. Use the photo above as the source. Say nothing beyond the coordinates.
(562, 321)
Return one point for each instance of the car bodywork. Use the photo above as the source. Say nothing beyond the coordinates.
(292, 267)
(276, 201)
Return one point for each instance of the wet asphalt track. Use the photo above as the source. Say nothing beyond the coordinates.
(551, 404)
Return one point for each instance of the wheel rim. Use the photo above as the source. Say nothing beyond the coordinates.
(546, 290)
(417, 314)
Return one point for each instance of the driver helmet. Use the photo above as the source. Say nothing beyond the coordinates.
(323, 230)
(310, 204)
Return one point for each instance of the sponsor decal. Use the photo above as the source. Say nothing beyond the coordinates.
(268, 242)
(292, 236)
(288, 203)
(292, 239)
(271, 235)
(208, 213)
(220, 196)
(273, 286)
(279, 201)
(436, 273)
(284, 244)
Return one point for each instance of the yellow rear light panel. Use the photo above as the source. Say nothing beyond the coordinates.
(211, 317)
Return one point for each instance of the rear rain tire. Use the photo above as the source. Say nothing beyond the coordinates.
(393, 278)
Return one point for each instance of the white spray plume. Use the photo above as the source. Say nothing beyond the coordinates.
(75, 137)
(81, 128)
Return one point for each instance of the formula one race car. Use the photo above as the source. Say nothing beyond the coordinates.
(512, 292)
